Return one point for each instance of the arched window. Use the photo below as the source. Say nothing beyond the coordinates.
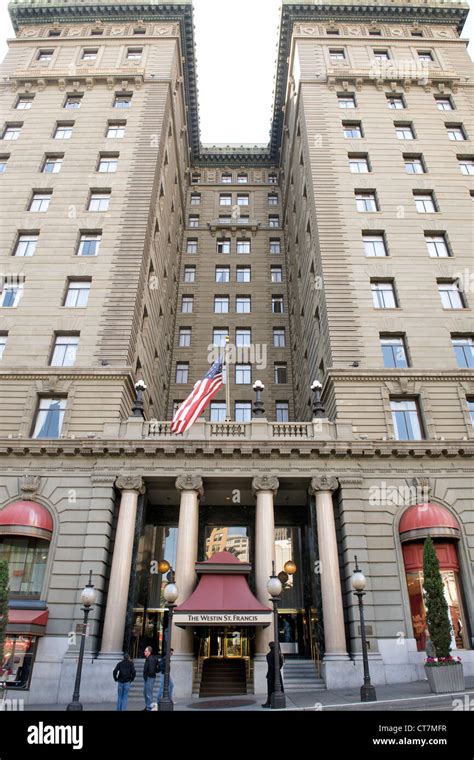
(25, 534)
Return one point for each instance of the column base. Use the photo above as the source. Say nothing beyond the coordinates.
(182, 674)
(338, 671)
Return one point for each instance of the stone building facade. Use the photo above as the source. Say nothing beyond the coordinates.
(129, 250)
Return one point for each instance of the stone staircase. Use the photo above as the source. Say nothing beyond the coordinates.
(301, 675)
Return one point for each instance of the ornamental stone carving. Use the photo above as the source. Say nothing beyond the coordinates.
(423, 488)
(29, 486)
(186, 482)
(130, 483)
(265, 483)
(324, 483)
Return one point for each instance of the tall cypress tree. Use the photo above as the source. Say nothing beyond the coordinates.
(437, 618)
(3, 604)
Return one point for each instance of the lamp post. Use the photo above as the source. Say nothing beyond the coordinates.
(137, 408)
(170, 593)
(319, 411)
(258, 408)
(88, 599)
(274, 588)
(359, 582)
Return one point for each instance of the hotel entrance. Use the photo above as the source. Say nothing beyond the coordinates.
(224, 661)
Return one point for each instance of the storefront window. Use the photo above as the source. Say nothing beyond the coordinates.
(26, 557)
(17, 663)
(233, 539)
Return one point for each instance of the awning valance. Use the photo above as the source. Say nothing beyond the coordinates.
(27, 621)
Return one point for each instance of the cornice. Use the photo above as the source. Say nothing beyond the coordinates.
(46, 374)
(409, 375)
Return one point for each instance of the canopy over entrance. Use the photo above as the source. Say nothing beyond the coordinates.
(222, 596)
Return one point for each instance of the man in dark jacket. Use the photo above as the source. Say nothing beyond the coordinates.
(271, 673)
(149, 676)
(124, 673)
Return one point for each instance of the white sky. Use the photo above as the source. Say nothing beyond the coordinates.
(236, 62)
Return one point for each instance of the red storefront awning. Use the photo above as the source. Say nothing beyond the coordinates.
(222, 596)
(27, 621)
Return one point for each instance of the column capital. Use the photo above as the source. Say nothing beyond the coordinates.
(186, 482)
(324, 483)
(130, 483)
(265, 483)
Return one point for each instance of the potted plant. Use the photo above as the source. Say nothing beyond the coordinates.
(444, 672)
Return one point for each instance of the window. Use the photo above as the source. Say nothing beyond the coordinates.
(182, 372)
(89, 244)
(414, 164)
(243, 374)
(243, 199)
(366, 200)
(243, 411)
(54, 33)
(225, 199)
(44, 55)
(11, 295)
(272, 199)
(242, 178)
(425, 55)
(192, 245)
(99, 201)
(90, 54)
(243, 246)
(346, 101)
(359, 163)
(381, 55)
(394, 351)
(193, 220)
(464, 351)
(352, 130)
(116, 129)
(456, 132)
(225, 219)
(466, 164)
(77, 294)
(450, 293)
(139, 31)
(404, 131)
(189, 274)
(243, 337)
(187, 303)
(470, 407)
(437, 244)
(64, 351)
(406, 419)
(122, 101)
(242, 304)
(184, 337)
(40, 201)
(272, 179)
(396, 102)
(134, 54)
(275, 245)
(73, 102)
(277, 304)
(107, 163)
(26, 244)
(52, 164)
(221, 304)
(223, 245)
(49, 418)
(273, 220)
(279, 337)
(195, 177)
(63, 130)
(12, 132)
(243, 274)
(383, 294)
(282, 413)
(374, 244)
(443, 103)
(3, 343)
(24, 102)
(276, 274)
(218, 411)
(425, 203)
(3, 162)
(226, 178)
(417, 34)
(219, 336)
(195, 199)
(337, 54)
(332, 31)
(222, 274)
(281, 373)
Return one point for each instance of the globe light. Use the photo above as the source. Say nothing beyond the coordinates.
(88, 595)
(316, 385)
(274, 586)
(140, 386)
(290, 567)
(358, 581)
(163, 566)
(170, 593)
(258, 385)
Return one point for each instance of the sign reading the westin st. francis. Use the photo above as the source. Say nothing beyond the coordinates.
(222, 618)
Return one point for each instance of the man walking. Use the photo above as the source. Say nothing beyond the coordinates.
(124, 674)
(271, 673)
(149, 677)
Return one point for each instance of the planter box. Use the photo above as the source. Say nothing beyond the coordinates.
(445, 679)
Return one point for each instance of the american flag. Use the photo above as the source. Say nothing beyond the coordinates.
(198, 399)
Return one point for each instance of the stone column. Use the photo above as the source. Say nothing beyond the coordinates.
(117, 596)
(333, 616)
(264, 487)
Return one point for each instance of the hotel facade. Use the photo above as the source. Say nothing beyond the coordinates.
(340, 252)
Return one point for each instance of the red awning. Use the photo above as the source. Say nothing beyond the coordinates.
(26, 518)
(428, 519)
(27, 621)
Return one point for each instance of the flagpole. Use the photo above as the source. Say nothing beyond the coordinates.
(228, 416)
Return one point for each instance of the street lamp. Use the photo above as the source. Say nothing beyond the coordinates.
(359, 582)
(88, 599)
(274, 588)
(170, 593)
(137, 408)
(258, 409)
(319, 411)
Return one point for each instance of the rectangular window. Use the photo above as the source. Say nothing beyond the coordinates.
(108, 164)
(182, 372)
(243, 246)
(275, 245)
(243, 411)
(219, 335)
(243, 200)
(192, 245)
(470, 407)
(272, 179)
(243, 374)
(26, 244)
(45, 55)
(90, 54)
(3, 343)
(243, 304)
(225, 199)
(437, 244)
(89, 244)
(396, 102)
(195, 199)
(64, 351)
(243, 337)
(394, 351)
(184, 337)
(282, 412)
(456, 132)
(226, 178)
(466, 164)
(359, 163)
(273, 220)
(426, 56)
(189, 274)
(223, 245)
(276, 274)
(72, 102)
(450, 294)
(218, 411)
(193, 220)
(134, 54)
(63, 130)
(187, 304)
(242, 178)
(277, 304)
(404, 131)
(195, 178)
(366, 200)
(24, 102)
(381, 55)
(281, 373)
(12, 132)
(337, 54)
(374, 244)
(383, 294)
(99, 201)
(279, 337)
(243, 274)
(3, 162)
(116, 129)
(122, 101)
(425, 202)
(52, 164)
(77, 294)
(49, 418)
(40, 202)
(352, 130)
(406, 419)
(443, 103)
(221, 304)
(222, 274)
(272, 199)
(11, 295)
(464, 351)
(414, 164)
(346, 101)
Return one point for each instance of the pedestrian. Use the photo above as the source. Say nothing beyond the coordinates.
(162, 668)
(124, 674)
(149, 677)
(271, 673)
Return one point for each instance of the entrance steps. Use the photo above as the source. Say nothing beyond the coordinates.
(301, 675)
(223, 678)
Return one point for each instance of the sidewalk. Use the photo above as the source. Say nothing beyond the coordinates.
(405, 696)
